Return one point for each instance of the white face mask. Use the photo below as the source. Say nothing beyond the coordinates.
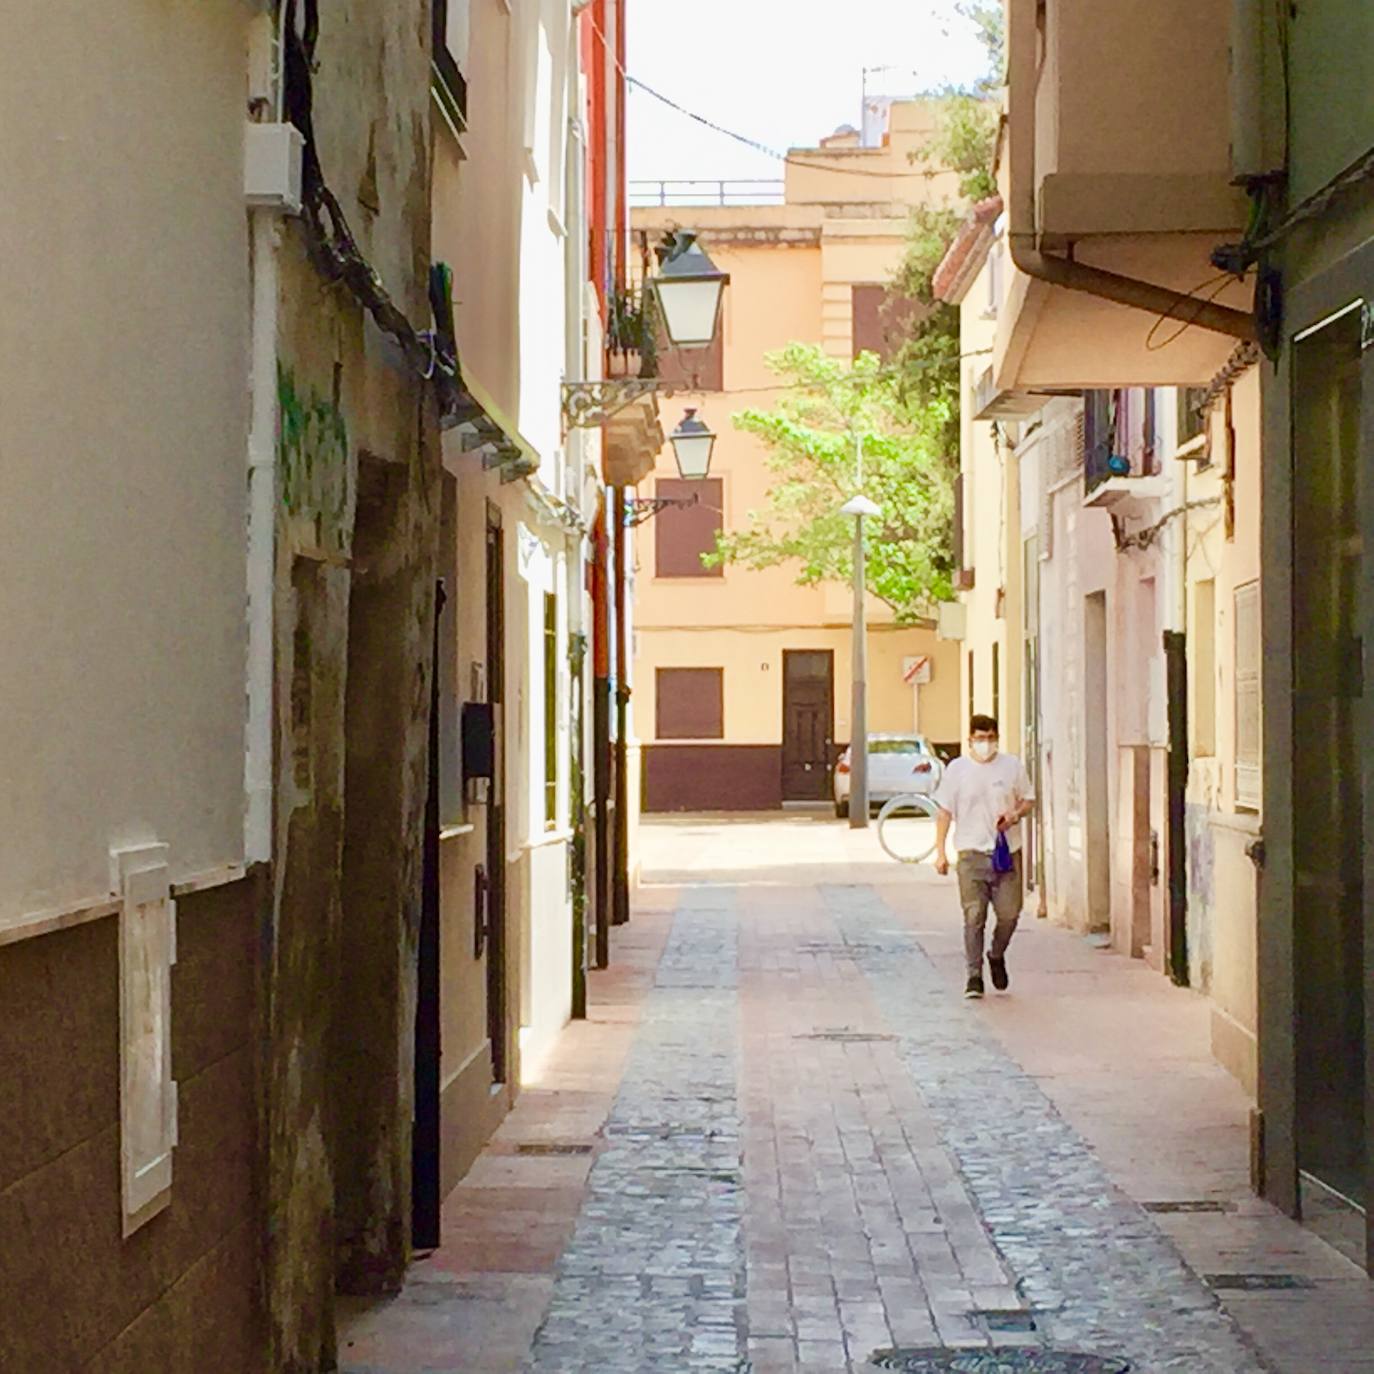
(982, 749)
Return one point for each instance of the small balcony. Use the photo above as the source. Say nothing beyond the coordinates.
(1116, 169)
(1122, 472)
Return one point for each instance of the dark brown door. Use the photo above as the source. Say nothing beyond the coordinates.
(495, 888)
(425, 1186)
(808, 713)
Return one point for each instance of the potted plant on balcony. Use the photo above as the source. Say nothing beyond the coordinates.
(630, 335)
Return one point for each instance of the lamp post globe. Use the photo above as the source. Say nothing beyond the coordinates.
(692, 443)
(688, 287)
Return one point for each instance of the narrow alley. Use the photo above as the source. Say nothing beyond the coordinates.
(781, 1141)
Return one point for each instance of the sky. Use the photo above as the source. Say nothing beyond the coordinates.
(782, 72)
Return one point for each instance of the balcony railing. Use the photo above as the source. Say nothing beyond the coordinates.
(707, 192)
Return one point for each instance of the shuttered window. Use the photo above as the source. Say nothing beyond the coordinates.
(689, 703)
(1247, 626)
(881, 322)
(683, 533)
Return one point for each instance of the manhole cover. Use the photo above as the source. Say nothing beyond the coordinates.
(550, 1147)
(1190, 1205)
(945, 1361)
(1257, 1283)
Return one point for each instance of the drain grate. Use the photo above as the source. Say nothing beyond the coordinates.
(1256, 1283)
(845, 1036)
(551, 1147)
(1004, 1361)
(1190, 1205)
(841, 948)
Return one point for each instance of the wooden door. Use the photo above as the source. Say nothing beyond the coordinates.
(808, 714)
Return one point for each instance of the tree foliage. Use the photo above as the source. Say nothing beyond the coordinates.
(811, 440)
(905, 411)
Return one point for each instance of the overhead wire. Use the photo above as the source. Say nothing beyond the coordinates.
(755, 144)
(1217, 285)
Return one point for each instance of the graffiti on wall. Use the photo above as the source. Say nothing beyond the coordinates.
(318, 491)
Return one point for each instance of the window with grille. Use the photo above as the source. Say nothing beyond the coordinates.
(1247, 689)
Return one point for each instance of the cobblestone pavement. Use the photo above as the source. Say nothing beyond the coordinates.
(653, 1277)
(809, 1149)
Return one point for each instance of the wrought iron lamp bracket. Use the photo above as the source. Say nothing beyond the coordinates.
(586, 404)
(638, 509)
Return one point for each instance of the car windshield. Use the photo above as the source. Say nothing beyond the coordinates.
(896, 746)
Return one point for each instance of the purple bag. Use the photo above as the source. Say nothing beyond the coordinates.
(1001, 854)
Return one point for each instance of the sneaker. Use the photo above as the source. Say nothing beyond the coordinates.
(998, 969)
(974, 986)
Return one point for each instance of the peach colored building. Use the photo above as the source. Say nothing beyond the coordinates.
(742, 677)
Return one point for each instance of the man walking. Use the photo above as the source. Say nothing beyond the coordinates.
(984, 794)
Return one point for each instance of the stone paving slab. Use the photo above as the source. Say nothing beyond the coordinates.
(817, 1151)
(653, 1276)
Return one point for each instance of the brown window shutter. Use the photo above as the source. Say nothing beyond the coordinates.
(683, 533)
(882, 321)
(867, 303)
(690, 703)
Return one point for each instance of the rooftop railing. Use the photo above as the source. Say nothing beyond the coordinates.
(707, 192)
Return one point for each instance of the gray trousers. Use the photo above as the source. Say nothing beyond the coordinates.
(981, 886)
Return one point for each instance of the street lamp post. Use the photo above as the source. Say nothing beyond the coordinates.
(858, 507)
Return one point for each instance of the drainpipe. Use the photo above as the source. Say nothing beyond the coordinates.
(573, 491)
(1022, 236)
(262, 539)
(601, 737)
(620, 895)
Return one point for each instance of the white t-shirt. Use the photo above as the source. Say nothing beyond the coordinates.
(976, 794)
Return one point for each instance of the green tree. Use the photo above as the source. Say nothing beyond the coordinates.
(826, 411)
(965, 140)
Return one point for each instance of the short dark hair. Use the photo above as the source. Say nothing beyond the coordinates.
(984, 723)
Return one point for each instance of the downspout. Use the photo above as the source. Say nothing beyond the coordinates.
(620, 880)
(1022, 236)
(268, 60)
(574, 490)
(262, 538)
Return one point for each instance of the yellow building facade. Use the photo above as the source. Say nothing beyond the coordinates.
(741, 691)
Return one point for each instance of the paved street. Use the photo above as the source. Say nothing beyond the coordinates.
(783, 1142)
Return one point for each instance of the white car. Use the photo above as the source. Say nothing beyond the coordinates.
(897, 765)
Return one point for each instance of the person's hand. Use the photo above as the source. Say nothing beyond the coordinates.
(942, 864)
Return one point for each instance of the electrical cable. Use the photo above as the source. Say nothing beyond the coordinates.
(787, 158)
(1219, 282)
(744, 139)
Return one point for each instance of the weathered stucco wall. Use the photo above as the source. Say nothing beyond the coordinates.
(357, 529)
(1222, 883)
(123, 339)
